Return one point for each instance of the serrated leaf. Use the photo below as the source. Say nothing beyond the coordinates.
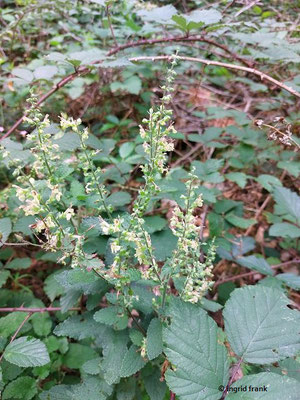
(23, 73)
(27, 352)
(155, 223)
(114, 350)
(107, 316)
(10, 323)
(77, 355)
(285, 230)
(133, 84)
(290, 280)
(288, 201)
(207, 17)
(41, 323)
(92, 388)
(238, 177)
(164, 242)
(288, 367)
(261, 329)
(51, 286)
(136, 337)
(154, 343)
(45, 72)
(125, 390)
(257, 263)
(277, 387)
(293, 167)
(19, 263)
(92, 367)
(3, 277)
(158, 14)
(210, 305)
(78, 327)
(240, 222)
(155, 388)
(198, 372)
(5, 230)
(126, 149)
(118, 199)
(23, 388)
(269, 182)
(132, 362)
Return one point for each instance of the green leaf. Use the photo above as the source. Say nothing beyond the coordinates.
(27, 352)
(216, 224)
(23, 73)
(158, 14)
(290, 280)
(261, 329)
(107, 316)
(164, 243)
(24, 388)
(154, 343)
(293, 167)
(278, 387)
(238, 177)
(118, 199)
(92, 388)
(3, 277)
(288, 201)
(92, 367)
(198, 371)
(207, 17)
(79, 327)
(51, 288)
(126, 149)
(5, 230)
(207, 171)
(19, 263)
(114, 350)
(136, 337)
(45, 72)
(288, 367)
(285, 230)
(22, 225)
(77, 355)
(240, 222)
(154, 223)
(180, 21)
(10, 323)
(269, 182)
(125, 390)
(155, 388)
(257, 263)
(210, 305)
(132, 362)
(133, 84)
(41, 323)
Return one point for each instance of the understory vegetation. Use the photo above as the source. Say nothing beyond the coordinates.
(149, 205)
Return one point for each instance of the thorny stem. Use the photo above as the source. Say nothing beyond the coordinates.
(140, 328)
(234, 372)
(147, 42)
(35, 310)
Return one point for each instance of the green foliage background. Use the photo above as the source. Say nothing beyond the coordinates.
(245, 331)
